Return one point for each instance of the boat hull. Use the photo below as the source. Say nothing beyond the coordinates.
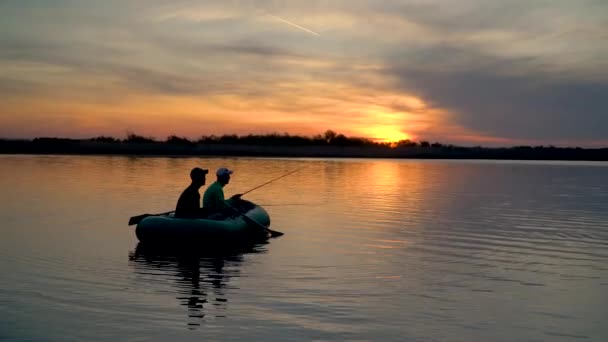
(226, 227)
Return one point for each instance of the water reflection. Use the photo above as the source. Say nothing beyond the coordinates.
(459, 250)
(201, 277)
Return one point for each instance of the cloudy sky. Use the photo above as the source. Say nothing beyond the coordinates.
(456, 71)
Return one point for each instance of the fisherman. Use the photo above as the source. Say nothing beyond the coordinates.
(213, 199)
(188, 204)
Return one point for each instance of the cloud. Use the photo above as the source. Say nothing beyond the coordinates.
(504, 70)
(510, 70)
(518, 107)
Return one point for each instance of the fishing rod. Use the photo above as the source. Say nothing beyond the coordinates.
(288, 204)
(261, 185)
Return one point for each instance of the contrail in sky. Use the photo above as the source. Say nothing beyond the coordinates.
(294, 25)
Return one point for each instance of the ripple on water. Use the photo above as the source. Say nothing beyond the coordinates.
(398, 250)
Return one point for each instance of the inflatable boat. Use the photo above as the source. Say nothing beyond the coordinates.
(241, 223)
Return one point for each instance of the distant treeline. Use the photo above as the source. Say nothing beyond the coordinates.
(329, 144)
(328, 138)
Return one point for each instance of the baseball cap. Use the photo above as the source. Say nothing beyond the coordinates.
(198, 171)
(223, 171)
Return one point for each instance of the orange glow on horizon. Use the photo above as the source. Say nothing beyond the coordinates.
(374, 114)
(388, 134)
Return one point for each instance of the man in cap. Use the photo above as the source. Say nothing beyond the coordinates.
(188, 204)
(213, 199)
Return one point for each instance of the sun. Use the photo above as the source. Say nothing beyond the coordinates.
(388, 134)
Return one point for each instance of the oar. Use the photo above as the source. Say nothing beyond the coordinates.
(136, 219)
(273, 233)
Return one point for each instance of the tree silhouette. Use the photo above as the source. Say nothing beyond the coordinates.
(329, 136)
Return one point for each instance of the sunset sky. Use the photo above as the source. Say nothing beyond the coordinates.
(477, 72)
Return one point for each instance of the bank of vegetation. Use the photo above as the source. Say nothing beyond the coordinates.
(329, 144)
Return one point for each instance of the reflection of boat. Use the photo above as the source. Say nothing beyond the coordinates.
(228, 226)
(200, 277)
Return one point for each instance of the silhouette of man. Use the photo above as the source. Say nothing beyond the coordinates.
(188, 204)
(213, 199)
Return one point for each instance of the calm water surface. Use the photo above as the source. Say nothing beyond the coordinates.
(373, 250)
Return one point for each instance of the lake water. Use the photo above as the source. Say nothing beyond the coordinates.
(383, 250)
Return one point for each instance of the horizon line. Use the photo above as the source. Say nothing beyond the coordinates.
(375, 141)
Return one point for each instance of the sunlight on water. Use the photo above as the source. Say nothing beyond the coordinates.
(373, 250)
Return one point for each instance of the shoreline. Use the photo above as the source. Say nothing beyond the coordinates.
(88, 147)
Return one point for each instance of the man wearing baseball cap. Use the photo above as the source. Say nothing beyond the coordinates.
(213, 199)
(188, 204)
